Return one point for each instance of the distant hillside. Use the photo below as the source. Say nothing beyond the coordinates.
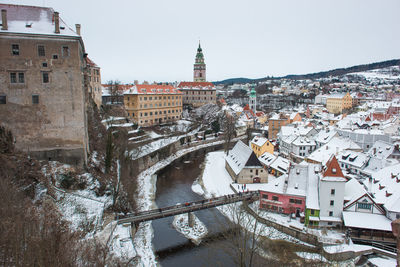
(322, 74)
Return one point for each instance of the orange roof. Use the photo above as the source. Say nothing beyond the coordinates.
(333, 169)
(154, 89)
(195, 84)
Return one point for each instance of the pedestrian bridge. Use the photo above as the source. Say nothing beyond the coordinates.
(187, 207)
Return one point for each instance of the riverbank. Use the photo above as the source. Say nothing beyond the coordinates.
(145, 201)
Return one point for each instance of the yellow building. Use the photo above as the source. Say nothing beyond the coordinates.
(260, 145)
(336, 103)
(152, 104)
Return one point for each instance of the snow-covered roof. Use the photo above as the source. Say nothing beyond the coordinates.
(281, 164)
(386, 187)
(241, 156)
(366, 221)
(297, 180)
(303, 141)
(312, 199)
(381, 149)
(354, 158)
(298, 130)
(267, 159)
(353, 190)
(196, 86)
(325, 135)
(259, 141)
(34, 20)
(336, 145)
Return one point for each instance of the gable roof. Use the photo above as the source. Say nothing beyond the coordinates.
(259, 141)
(196, 85)
(333, 170)
(242, 156)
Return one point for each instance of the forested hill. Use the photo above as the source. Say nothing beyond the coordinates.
(322, 74)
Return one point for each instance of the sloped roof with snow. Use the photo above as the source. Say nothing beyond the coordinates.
(34, 20)
(303, 141)
(242, 156)
(381, 149)
(353, 190)
(312, 199)
(325, 135)
(366, 221)
(386, 187)
(298, 130)
(267, 159)
(259, 141)
(281, 164)
(336, 144)
(354, 158)
(332, 171)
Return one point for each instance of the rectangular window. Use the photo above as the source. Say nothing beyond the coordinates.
(17, 77)
(332, 191)
(55, 56)
(291, 200)
(65, 51)
(35, 99)
(332, 203)
(275, 198)
(265, 196)
(45, 77)
(3, 99)
(365, 206)
(41, 52)
(331, 213)
(298, 201)
(15, 49)
(312, 212)
(13, 77)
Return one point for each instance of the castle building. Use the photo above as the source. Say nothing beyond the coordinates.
(153, 104)
(42, 83)
(199, 92)
(94, 76)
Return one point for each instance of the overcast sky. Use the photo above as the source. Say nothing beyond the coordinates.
(156, 40)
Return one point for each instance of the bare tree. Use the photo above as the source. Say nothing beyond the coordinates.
(114, 87)
(228, 125)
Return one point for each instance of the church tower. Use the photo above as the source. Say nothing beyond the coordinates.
(253, 99)
(199, 71)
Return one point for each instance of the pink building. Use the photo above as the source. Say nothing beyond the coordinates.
(282, 203)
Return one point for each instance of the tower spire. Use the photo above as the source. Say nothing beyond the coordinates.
(199, 71)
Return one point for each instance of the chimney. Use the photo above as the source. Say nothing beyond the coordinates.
(57, 22)
(4, 19)
(78, 29)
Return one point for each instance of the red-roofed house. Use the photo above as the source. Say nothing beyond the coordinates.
(197, 94)
(151, 104)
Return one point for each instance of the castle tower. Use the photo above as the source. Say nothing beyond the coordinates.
(253, 99)
(199, 71)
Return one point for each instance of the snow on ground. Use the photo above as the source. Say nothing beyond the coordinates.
(196, 187)
(134, 131)
(153, 134)
(195, 233)
(128, 124)
(346, 247)
(113, 119)
(147, 184)
(153, 146)
(383, 261)
(311, 256)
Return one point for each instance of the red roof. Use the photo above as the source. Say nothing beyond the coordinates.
(247, 109)
(333, 169)
(195, 84)
(155, 89)
(91, 63)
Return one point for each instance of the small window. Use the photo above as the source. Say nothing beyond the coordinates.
(332, 191)
(332, 203)
(35, 99)
(41, 51)
(15, 49)
(21, 77)
(55, 56)
(3, 99)
(264, 196)
(45, 77)
(44, 64)
(13, 77)
(65, 51)
(275, 198)
(312, 212)
(331, 213)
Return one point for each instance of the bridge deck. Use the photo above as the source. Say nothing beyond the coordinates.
(186, 207)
